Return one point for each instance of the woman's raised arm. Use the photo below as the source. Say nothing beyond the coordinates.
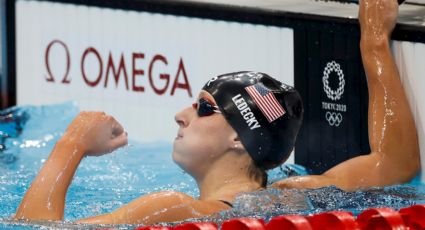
(394, 156)
(91, 133)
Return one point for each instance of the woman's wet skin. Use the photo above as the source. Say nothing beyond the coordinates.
(394, 156)
(391, 126)
(204, 146)
(200, 140)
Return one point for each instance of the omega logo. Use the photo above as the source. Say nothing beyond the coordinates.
(50, 77)
(212, 80)
(159, 83)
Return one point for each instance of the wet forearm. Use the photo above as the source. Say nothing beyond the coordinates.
(392, 131)
(377, 60)
(45, 199)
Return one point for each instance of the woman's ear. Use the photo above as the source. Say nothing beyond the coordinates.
(236, 144)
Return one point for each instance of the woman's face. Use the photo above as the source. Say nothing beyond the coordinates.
(201, 139)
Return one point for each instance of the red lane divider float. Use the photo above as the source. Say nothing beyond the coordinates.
(381, 218)
(414, 216)
(152, 228)
(244, 224)
(337, 220)
(197, 226)
(411, 218)
(289, 222)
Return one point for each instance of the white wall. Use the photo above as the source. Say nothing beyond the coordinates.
(410, 58)
(205, 47)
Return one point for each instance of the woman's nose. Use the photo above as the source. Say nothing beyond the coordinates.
(183, 117)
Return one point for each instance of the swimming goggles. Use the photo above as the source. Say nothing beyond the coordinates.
(205, 107)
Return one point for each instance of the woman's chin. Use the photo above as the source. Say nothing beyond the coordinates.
(175, 157)
(180, 161)
(178, 158)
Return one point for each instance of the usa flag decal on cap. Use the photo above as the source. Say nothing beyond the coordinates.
(266, 101)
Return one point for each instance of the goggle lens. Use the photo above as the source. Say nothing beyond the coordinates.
(205, 108)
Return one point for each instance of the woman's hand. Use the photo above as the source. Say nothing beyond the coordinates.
(90, 133)
(96, 133)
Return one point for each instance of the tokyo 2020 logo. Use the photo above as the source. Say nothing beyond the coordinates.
(333, 94)
(334, 117)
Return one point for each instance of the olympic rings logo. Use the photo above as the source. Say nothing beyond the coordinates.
(334, 119)
(333, 94)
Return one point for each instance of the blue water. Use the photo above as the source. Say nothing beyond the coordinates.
(102, 184)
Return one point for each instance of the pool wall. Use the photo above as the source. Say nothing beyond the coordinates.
(3, 82)
(143, 60)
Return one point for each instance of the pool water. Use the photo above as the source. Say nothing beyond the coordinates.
(102, 184)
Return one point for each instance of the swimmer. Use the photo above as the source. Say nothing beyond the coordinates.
(227, 125)
(241, 125)
(394, 156)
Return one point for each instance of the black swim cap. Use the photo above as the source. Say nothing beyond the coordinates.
(265, 113)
